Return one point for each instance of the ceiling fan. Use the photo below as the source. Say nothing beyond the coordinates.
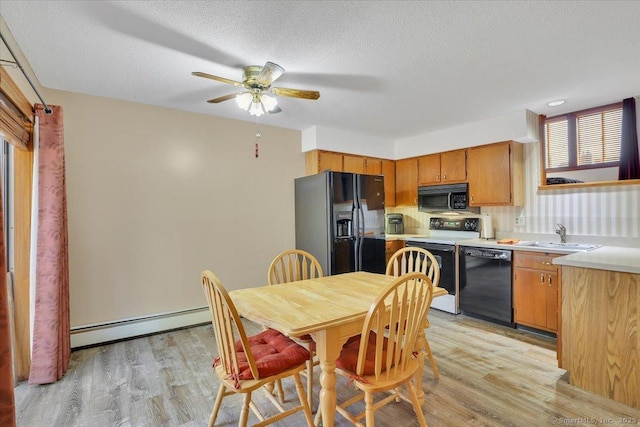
(257, 81)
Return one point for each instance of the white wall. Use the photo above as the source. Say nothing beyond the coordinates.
(324, 138)
(521, 126)
(155, 196)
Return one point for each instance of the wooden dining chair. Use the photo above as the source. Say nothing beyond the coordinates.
(381, 358)
(246, 363)
(293, 265)
(412, 259)
(290, 266)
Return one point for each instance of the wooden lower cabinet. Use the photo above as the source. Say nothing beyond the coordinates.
(536, 289)
(392, 246)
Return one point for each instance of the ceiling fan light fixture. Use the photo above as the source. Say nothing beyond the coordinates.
(256, 109)
(257, 82)
(244, 101)
(269, 102)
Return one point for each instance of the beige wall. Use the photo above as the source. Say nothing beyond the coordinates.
(157, 195)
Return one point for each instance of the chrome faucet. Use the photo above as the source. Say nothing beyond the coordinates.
(562, 231)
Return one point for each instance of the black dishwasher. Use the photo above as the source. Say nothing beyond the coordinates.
(485, 284)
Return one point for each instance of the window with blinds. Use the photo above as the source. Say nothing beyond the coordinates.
(556, 136)
(584, 139)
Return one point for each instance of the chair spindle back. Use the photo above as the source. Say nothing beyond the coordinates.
(402, 306)
(293, 265)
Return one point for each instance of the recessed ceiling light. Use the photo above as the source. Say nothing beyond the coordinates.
(556, 103)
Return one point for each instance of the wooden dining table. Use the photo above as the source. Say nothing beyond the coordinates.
(332, 309)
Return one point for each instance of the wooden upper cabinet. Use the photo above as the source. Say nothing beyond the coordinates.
(429, 169)
(330, 161)
(495, 174)
(443, 168)
(407, 182)
(453, 166)
(388, 168)
(372, 166)
(317, 161)
(353, 164)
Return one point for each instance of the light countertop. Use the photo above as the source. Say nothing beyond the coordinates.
(614, 258)
(484, 243)
(406, 236)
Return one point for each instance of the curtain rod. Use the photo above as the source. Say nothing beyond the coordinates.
(47, 110)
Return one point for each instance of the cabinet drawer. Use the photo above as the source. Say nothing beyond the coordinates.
(392, 246)
(538, 261)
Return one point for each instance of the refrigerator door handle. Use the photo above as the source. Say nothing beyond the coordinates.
(361, 213)
(356, 248)
(356, 224)
(361, 224)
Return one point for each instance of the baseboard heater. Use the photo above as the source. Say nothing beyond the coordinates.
(88, 335)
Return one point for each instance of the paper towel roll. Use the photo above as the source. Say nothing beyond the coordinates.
(487, 227)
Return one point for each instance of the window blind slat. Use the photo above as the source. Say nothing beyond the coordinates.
(597, 139)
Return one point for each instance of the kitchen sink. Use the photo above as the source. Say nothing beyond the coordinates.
(565, 246)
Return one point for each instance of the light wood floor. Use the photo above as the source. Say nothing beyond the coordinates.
(489, 376)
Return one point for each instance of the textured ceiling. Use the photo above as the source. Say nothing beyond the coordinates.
(390, 69)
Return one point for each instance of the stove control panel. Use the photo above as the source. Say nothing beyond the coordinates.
(454, 224)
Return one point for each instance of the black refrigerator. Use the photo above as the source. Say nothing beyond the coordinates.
(340, 221)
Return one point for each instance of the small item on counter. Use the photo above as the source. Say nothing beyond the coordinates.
(486, 229)
(508, 241)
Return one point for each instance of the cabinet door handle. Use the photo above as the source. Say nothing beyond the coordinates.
(542, 278)
(547, 263)
(438, 176)
(444, 177)
(549, 280)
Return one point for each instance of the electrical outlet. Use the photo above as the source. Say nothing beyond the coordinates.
(520, 221)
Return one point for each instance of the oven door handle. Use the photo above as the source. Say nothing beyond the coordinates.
(449, 200)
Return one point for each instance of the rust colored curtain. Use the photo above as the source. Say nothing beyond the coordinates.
(7, 402)
(51, 329)
(629, 159)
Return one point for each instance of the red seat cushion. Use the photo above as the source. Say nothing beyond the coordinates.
(305, 338)
(348, 359)
(273, 353)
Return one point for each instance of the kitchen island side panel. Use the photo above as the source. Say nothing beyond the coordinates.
(601, 332)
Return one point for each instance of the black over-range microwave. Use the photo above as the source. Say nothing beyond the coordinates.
(452, 197)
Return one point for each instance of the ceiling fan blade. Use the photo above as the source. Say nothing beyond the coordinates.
(276, 110)
(224, 98)
(269, 74)
(295, 93)
(218, 78)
